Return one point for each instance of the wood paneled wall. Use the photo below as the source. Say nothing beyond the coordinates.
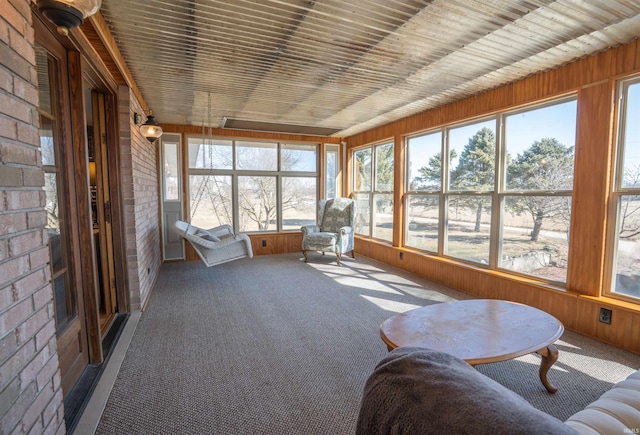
(274, 243)
(594, 81)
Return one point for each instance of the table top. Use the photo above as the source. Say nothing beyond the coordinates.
(478, 331)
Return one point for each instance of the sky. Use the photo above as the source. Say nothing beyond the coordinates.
(522, 129)
(632, 132)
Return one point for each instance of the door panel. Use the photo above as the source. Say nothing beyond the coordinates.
(62, 223)
(102, 222)
(173, 245)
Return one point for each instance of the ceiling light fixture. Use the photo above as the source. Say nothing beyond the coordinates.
(151, 130)
(67, 14)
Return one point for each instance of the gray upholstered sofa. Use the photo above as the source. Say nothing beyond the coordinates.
(419, 391)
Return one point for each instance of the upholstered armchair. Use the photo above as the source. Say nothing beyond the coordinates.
(334, 230)
(215, 245)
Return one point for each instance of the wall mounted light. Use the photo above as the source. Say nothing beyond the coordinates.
(67, 14)
(150, 129)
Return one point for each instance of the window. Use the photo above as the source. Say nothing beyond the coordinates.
(373, 187)
(56, 195)
(468, 199)
(424, 181)
(332, 171)
(626, 195)
(536, 205)
(502, 198)
(268, 186)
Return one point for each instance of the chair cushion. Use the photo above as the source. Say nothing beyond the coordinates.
(337, 214)
(207, 236)
(321, 239)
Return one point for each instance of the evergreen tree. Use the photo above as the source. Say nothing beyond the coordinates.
(546, 166)
(476, 172)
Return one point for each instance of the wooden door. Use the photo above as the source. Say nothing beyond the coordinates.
(103, 226)
(62, 218)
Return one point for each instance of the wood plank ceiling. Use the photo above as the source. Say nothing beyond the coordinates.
(343, 64)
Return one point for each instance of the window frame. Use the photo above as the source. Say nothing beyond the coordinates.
(235, 173)
(497, 196)
(618, 191)
(372, 191)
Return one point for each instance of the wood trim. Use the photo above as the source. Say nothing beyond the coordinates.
(191, 130)
(592, 184)
(85, 224)
(111, 48)
(89, 49)
(398, 191)
(117, 218)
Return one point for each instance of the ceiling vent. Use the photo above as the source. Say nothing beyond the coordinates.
(275, 127)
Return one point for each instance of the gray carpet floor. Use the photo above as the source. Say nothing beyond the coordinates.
(272, 345)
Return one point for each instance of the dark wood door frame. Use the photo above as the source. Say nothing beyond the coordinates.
(73, 340)
(82, 60)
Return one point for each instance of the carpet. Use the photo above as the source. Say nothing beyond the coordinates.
(273, 345)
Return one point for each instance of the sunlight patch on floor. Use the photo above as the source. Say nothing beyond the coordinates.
(365, 267)
(332, 269)
(366, 284)
(393, 279)
(394, 306)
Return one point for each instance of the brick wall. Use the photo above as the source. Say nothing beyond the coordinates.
(30, 393)
(140, 201)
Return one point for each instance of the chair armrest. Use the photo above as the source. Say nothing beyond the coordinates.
(346, 230)
(308, 229)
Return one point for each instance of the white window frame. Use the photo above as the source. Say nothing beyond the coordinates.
(235, 173)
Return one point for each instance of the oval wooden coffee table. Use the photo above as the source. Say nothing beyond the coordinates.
(479, 331)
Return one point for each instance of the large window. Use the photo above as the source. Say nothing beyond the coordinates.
(502, 197)
(373, 189)
(626, 196)
(536, 205)
(252, 185)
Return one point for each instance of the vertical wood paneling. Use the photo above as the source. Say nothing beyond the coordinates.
(276, 243)
(593, 153)
(398, 193)
(586, 320)
(550, 84)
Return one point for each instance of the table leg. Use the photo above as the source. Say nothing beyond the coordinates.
(549, 356)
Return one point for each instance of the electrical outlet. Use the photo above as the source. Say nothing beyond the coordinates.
(402, 256)
(264, 243)
(605, 316)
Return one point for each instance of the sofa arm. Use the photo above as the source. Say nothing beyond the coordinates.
(616, 411)
(421, 391)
